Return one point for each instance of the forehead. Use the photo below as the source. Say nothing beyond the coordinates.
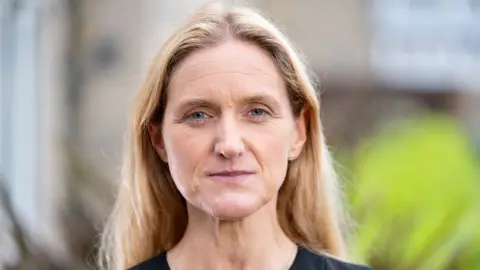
(236, 67)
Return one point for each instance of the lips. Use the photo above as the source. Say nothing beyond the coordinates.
(230, 173)
(230, 176)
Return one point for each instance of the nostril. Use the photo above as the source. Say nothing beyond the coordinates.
(229, 150)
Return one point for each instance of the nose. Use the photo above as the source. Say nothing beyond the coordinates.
(229, 142)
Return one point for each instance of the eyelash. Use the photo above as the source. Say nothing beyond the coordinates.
(189, 117)
(265, 113)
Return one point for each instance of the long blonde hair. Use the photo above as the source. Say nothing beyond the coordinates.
(150, 217)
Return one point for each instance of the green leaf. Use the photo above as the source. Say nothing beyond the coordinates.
(413, 191)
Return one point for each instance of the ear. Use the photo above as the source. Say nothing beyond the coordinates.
(155, 133)
(300, 134)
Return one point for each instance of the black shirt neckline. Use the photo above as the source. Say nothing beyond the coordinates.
(304, 260)
(299, 263)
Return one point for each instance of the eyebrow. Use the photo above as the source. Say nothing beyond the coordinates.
(201, 102)
(261, 98)
(195, 102)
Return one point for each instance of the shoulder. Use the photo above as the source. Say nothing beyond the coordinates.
(158, 262)
(307, 259)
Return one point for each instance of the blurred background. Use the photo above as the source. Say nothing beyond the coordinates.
(400, 103)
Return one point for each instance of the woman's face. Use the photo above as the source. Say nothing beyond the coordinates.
(228, 130)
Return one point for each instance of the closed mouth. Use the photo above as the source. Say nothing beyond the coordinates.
(230, 173)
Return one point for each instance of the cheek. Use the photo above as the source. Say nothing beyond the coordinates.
(275, 164)
(271, 147)
(186, 150)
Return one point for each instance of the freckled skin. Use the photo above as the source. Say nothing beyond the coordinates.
(228, 131)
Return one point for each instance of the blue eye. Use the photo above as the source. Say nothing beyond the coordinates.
(257, 112)
(198, 115)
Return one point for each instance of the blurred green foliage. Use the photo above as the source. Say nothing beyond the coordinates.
(415, 194)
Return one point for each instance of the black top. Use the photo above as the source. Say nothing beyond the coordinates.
(304, 260)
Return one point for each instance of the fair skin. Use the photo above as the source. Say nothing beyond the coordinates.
(227, 136)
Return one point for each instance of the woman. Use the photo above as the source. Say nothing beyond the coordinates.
(227, 166)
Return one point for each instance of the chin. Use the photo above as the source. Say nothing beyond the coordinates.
(234, 207)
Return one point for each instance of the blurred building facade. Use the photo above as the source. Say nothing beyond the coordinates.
(69, 71)
(32, 89)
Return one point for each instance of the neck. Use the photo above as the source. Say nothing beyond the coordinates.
(256, 242)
